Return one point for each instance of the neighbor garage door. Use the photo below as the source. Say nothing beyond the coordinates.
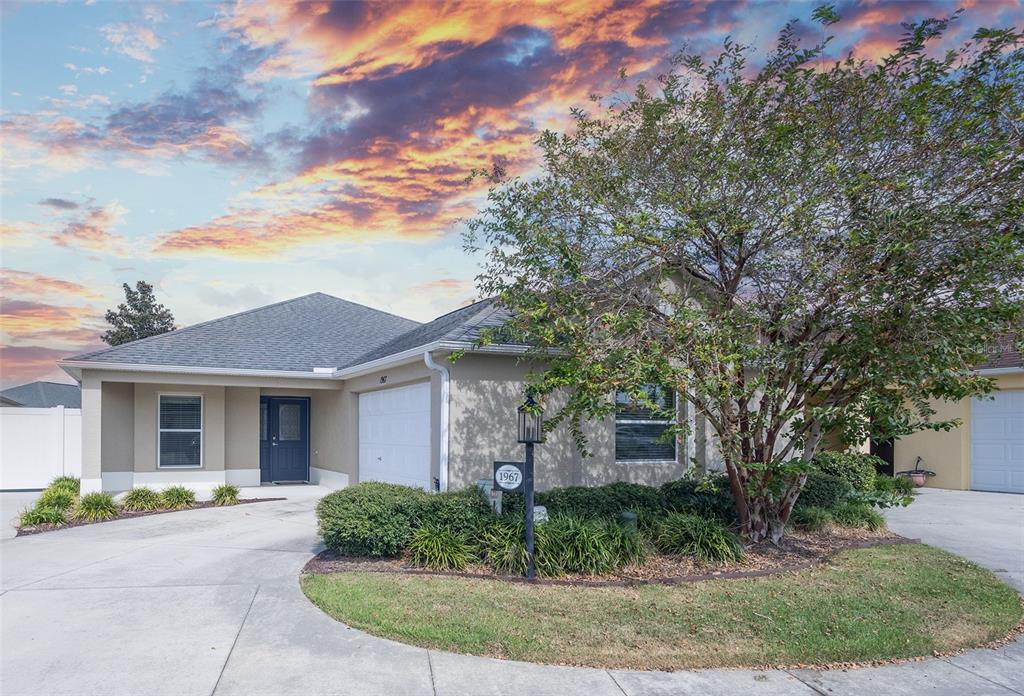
(997, 443)
(394, 435)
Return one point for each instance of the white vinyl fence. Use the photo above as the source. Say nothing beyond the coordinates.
(39, 444)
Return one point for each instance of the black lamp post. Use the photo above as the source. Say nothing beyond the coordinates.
(531, 432)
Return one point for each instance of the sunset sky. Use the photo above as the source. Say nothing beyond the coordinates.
(235, 155)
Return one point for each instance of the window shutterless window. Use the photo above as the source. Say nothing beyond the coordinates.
(639, 429)
(181, 431)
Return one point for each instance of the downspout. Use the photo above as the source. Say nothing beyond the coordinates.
(442, 476)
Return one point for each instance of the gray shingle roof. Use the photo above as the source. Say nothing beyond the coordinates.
(44, 395)
(312, 331)
(464, 325)
(1004, 354)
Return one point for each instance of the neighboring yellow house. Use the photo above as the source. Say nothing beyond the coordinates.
(986, 452)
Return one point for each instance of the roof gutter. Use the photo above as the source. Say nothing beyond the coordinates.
(1000, 371)
(75, 367)
(442, 459)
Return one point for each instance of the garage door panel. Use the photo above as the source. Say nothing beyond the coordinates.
(997, 442)
(394, 436)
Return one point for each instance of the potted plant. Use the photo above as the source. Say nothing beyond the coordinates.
(919, 475)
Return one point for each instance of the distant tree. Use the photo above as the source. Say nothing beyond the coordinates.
(797, 248)
(139, 316)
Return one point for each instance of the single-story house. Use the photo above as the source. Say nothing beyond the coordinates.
(42, 395)
(324, 390)
(986, 452)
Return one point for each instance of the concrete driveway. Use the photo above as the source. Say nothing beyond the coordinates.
(207, 602)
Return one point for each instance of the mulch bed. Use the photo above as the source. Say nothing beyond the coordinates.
(797, 551)
(124, 515)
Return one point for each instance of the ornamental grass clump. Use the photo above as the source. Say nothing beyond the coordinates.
(141, 499)
(702, 538)
(57, 498)
(178, 497)
(226, 494)
(68, 483)
(857, 514)
(440, 548)
(97, 506)
(42, 515)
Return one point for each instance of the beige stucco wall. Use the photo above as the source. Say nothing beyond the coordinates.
(117, 439)
(486, 390)
(241, 428)
(947, 453)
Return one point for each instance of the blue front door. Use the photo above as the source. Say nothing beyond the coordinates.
(284, 438)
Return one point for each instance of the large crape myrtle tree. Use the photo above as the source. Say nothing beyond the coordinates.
(796, 246)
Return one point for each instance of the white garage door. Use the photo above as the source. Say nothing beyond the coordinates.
(394, 435)
(997, 443)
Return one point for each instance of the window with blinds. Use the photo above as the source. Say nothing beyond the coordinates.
(181, 431)
(639, 429)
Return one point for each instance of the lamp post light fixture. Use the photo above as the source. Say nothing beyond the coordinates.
(531, 432)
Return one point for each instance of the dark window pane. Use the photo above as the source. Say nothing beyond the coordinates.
(181, 412)
(635, 441)
(263, 421)
(628, 410)
(288, 422)
(180, 449)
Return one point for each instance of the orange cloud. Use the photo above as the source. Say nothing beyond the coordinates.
(28, 320)
(23, 364)
(25, 284)
(93, 231)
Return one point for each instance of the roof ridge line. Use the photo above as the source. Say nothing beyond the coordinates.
(196, 326)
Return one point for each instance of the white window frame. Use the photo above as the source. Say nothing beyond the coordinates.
(670, 421)
(200, 430)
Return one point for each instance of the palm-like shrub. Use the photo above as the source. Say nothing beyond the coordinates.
(177, 497)
(440, 548)
(68, 483)
(142, 498)
(43, 515)
(96, 506)
(703, 538)
(226, 494)
(57, 498)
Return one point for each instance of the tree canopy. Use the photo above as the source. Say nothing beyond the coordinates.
(795, 245)
(139, 316)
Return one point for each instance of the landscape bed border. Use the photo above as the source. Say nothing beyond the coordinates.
(129, 514)
(375, 565)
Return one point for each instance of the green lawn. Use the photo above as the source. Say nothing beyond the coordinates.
(883, 602)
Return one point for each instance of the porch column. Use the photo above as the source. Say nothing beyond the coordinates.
(92, 433)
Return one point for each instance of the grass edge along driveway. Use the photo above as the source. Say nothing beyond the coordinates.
(869, 604)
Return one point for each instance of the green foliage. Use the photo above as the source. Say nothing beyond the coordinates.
(900, 485)
(703, 538)
(43, 515)
(856, 468)
(57, 498)
(462, 511)
(597, 502)
(96, 506)
(68, 483)
(882, 499)
(580, 545)
(707, 496)
(823, 491)
(852, 513)
(226, 494)
(440, 548)
(810, 518)
(177, 497)
(503, 545)
(369, 519)
(139, 316)
(796, 245)
(628, 546)
(140, 499)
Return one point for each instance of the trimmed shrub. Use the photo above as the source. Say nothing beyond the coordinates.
(899, 485)
(856, 468)
(225, 494)
(597, 502)
(177, 497)
(43, 515)
(57, 498)
(823, 491)
(440, 548)
(810, 518)
(707, 496)
(141, 499)
(463, 511)
(68, 483)
(369, 519)
(704, 538)
(96, 506)
(857, 514)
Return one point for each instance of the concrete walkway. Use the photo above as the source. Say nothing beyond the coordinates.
(207, 602)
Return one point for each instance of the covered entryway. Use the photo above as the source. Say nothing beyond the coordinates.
(284, 439)
(394, 435)
(997, 442)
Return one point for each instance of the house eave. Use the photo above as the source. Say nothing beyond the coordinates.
(75, 367)
(994, 371)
